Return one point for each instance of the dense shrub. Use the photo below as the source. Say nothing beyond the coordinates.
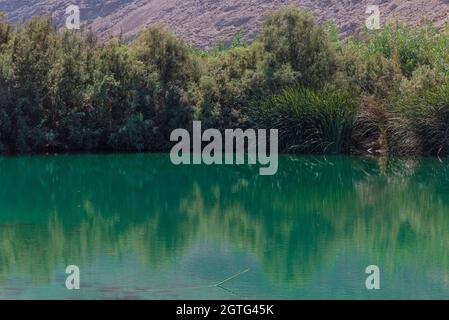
(135, 135)
(168, 70)
(413, 47)
(296, 50)
(231, 81)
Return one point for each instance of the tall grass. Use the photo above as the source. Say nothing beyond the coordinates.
(369, 129)
(308, 121)
(420, 124)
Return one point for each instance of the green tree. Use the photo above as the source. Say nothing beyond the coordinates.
(297, 49)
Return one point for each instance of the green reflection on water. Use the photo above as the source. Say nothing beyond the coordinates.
(140, 227)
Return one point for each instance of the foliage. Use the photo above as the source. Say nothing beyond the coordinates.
(308, 121)
(423, 121)
(296, 49)
(67, 92)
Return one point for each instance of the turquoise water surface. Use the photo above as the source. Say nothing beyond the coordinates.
(139, 227)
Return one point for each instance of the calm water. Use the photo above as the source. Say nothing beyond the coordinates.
(139, 227)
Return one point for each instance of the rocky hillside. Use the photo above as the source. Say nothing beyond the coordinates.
(204, 22)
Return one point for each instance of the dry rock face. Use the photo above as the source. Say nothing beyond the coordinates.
(205, 22)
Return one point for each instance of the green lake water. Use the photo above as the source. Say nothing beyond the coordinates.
(139, 227)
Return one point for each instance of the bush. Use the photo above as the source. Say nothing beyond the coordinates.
(169, 70)
(230, 82)
(296, 49)
(423, 79)
(135, 135)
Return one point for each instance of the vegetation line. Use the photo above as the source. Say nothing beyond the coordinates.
(380, 92)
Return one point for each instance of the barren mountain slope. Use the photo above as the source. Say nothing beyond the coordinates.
(204, 22)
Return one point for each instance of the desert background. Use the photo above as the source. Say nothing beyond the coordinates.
(204, 23)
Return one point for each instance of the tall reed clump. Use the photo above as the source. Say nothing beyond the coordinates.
(420, 124)
(308, 121)
(369, 129)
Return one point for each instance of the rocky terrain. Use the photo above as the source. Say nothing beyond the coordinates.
(205, 22)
